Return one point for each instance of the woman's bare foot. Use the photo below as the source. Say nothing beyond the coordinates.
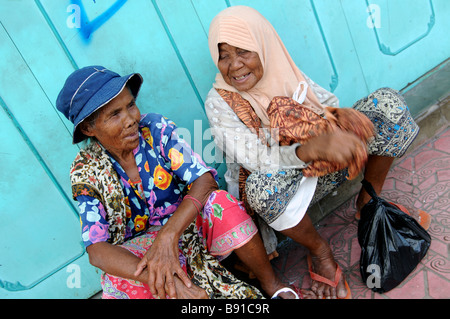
(323, 264)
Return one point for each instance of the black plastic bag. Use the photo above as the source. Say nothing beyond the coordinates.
(392, 243)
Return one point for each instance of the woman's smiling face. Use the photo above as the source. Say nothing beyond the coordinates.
(240, 68)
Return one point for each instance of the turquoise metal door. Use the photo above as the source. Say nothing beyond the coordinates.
(350, 47)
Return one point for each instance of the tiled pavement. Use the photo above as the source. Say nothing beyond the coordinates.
(420, 179)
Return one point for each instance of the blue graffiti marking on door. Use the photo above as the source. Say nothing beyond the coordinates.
(88, 27)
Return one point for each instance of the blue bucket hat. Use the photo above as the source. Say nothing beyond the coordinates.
(90, 88)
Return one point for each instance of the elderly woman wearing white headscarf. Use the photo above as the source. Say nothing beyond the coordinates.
(274, 179)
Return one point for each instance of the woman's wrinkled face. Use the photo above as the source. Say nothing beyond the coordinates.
(116, 126)
(240, 68)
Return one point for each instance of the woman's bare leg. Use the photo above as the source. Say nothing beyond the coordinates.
(254, 256)
(375, 173)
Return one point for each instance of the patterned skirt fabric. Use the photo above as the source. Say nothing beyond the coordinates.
(395, 130)
(222, 227)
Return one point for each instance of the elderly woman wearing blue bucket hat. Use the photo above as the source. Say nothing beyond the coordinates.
(152, 217)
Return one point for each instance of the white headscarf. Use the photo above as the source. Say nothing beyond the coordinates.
(246, 28)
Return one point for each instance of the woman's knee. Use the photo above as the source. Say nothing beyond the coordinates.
(224, 204)
(388, 96)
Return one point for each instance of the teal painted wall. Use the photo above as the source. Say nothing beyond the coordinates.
(350, 47)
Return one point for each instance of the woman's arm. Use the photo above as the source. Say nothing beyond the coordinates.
(115, 261)
(240, 144)
(163, 254)
(112, 259)
(161, 261)
(338, 147)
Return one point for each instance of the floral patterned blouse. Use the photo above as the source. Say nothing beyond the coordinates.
(166, 164)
